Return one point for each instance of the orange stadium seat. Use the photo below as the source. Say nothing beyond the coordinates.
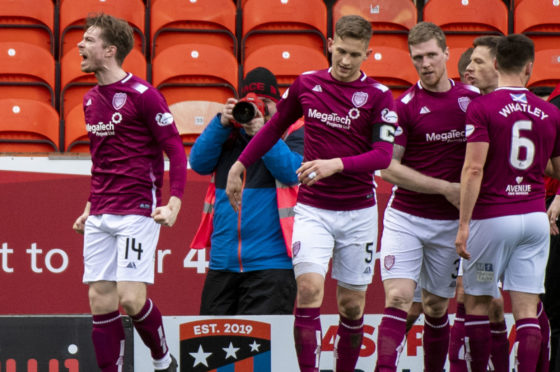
(73, 14)
(464, 20)
(28, 126)
(546, 69)
(191, 117)
(391, 19)
(30, 21)
(209, 22)
(195, 72)
(286, 62)
(75, 134)
(391, 67)
(540, 20)
(268, 22)
(26, 71)
(74, 83)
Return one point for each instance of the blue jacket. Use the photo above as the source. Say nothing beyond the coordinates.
(261, 241)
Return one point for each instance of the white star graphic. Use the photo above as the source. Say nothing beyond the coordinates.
(200, 357)
(255, 346)
(230, 351)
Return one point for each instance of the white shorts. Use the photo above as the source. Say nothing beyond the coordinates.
(120, 248)
(349, 237)
(514, 248)
(420, 249)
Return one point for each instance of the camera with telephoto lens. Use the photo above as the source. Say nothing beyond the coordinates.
(245, 110)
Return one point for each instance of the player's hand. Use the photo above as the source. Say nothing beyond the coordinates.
(234, 185)
(227, 112)
(461, 241)
(80, 223)
(252, 127)
(552, 213)
(312, 171)
(453, 193)
(167, 215)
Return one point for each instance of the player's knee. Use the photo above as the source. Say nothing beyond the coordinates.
(496, 310)
(434, 306)
(131, 304)
(398, 298)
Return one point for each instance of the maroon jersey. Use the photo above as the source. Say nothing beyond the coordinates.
(126, 123)
(523, 132)
(432, 130)
(342, 119)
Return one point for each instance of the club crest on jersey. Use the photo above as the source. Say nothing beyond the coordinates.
(464, 103)
(359, 99)
(389, 261)
(119, 99)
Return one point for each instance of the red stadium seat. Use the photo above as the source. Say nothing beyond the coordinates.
(464, 20)
(391, 67)
(286, 62)
(268, 22)
(546, 69)
(391, 19)
(73, 14)
(191, 117)
(194, 72)
(209, 22)
(540, 20)
(75, 133)
(26, 71)
(28, 126)
(29, 21)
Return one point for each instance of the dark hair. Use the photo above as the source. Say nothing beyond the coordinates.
(514, 52)
(542, 91)
(114, 31)
(489, 41)
(355, 27)
(464, 61)
(424, 31)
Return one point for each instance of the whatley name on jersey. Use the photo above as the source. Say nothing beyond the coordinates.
(522, 107)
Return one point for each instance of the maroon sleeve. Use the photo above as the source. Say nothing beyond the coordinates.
(177, 164)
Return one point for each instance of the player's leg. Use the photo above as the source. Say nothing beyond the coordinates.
(100, 273)
(544, 355)
(312, 249)
(438, 281)
(415, 309)
(499, 354)
(457, 361)
(267, 292)
(137, 239)
(353, 267)
(401, 260)
(220, 293)
(524, 278)
(490, 242)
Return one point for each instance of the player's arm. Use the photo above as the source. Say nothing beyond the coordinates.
(379, 157)
(167, 215)
(471, 179)
(554, 208)
(410, 179)
(80, 222)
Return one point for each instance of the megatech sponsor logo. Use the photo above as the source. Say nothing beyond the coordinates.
(332, 120)
(453, 135)
(102, 129)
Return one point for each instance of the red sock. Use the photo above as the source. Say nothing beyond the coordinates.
(149, 324)
(544, 356)
(308, 338)
(348, 344)
(527, 344)
(108, 341)
(390, 339)
(499, 353)
(477, 342)
(457, 361)
(436, 342)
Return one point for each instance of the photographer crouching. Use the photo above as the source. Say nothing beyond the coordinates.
(250, 251)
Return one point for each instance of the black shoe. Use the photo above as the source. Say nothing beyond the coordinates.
(172, 367)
